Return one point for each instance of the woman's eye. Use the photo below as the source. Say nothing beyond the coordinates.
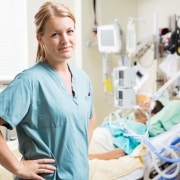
(71, 31)
(55, 34)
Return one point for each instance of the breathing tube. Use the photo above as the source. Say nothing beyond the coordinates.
(174, 143)
(159, 154)
(155, 154)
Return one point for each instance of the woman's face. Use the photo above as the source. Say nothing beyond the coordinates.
(58, 39)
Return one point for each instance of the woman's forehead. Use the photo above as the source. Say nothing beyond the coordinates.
(59, 23)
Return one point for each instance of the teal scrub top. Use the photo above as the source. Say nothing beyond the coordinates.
(50, 121)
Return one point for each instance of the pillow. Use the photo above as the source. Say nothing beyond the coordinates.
(165, 119)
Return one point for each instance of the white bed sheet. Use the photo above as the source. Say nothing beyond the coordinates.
(167, 136)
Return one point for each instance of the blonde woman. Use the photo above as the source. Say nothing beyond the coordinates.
(51, 106)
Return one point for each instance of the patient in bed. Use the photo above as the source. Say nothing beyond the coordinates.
(123, 144)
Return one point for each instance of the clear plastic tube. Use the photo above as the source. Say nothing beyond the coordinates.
(175, 160)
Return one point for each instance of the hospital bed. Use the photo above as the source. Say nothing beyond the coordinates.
(146, 165)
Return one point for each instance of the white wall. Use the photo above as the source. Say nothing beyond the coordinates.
(164, 9)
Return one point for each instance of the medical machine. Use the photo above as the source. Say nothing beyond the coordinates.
(124, 82)
(124, 77)
(108, 38)
(124, 98)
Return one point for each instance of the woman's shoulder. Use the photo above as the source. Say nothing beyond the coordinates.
(78, 72)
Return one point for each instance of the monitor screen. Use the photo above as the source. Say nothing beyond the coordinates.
(108, 37)
(120, 94)
(109, 40)
(121, 74)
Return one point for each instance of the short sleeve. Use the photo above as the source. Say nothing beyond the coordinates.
(14, 102)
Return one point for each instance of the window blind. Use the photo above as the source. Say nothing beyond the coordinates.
(13, 38)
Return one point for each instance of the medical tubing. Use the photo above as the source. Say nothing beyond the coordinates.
(159, 154)
(174, 143)
(154, 154)
(163, 174)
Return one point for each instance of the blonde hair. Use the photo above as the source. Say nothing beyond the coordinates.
(46, 11)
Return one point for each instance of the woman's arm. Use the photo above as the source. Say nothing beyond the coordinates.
(28, 169)
(91, 126)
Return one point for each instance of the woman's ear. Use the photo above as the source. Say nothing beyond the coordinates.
(39, 38)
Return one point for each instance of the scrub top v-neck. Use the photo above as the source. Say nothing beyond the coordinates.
(51, 122)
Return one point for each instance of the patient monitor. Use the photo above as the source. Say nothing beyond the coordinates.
(108, 38)
(125, 98)
(124, 82)
(124, 77)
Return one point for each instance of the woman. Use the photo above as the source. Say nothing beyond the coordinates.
(50, 104)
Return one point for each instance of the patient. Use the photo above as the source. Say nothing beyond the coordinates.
(123, 145)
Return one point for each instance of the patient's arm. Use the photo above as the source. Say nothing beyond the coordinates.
(113, 154)
(1, 122)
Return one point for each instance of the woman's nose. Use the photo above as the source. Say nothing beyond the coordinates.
(64, 38)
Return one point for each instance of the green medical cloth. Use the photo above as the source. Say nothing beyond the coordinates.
(165, 119)
(120, 138)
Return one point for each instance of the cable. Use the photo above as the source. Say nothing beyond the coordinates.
(95, 18)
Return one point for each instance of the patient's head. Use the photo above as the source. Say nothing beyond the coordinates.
(140, 115)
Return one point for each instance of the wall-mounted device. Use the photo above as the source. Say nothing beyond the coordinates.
(141, 76)
(124, 77)
(108, 38)
(125, 98)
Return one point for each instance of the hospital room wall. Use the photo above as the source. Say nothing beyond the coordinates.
(164, 10)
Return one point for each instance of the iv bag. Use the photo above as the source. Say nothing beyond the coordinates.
(131, 38)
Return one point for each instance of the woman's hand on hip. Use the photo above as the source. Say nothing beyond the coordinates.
(30, 169)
